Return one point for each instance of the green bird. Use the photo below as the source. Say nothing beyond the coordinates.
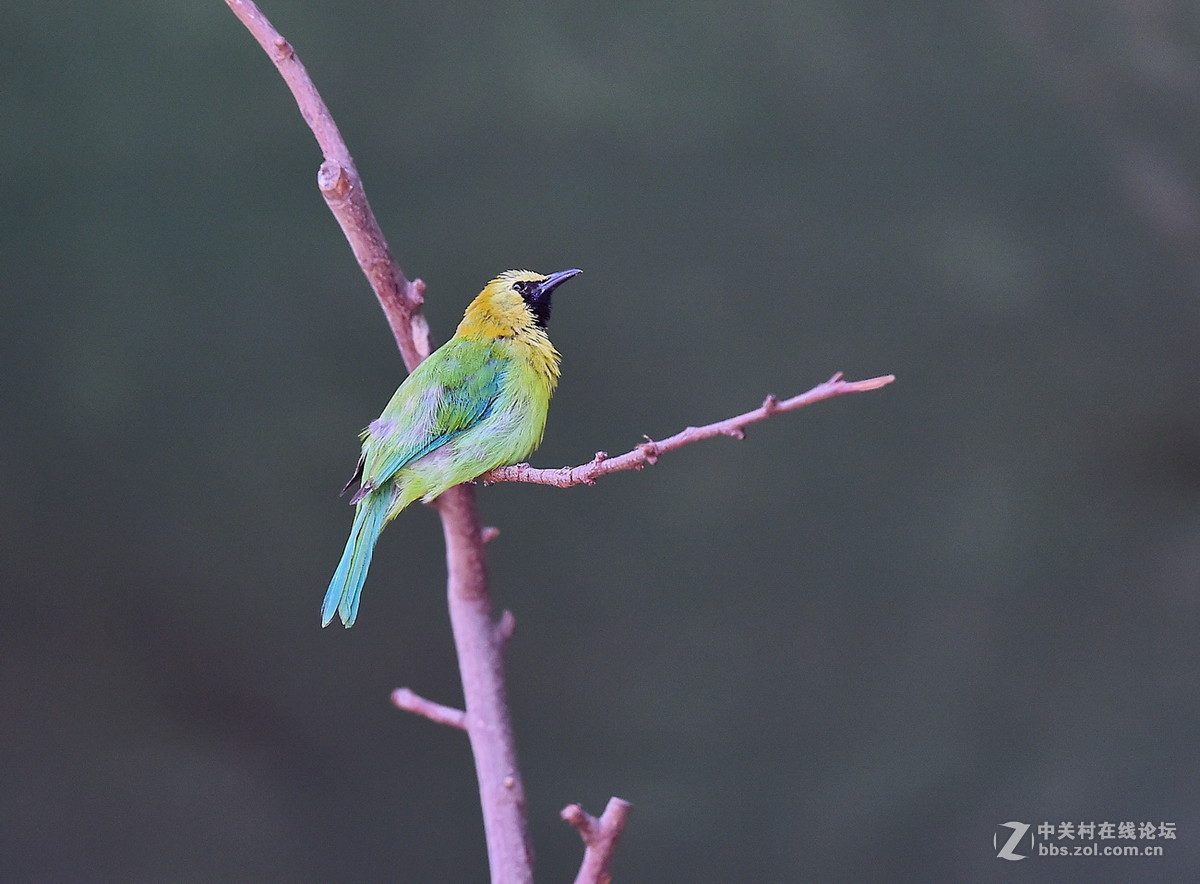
(477, 403)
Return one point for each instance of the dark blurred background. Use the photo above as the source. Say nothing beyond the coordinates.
(848, 648)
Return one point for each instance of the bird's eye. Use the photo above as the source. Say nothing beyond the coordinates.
(524, 287)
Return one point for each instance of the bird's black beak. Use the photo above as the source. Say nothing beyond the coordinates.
(554, 280)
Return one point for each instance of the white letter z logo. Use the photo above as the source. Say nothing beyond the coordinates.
(1006, 852)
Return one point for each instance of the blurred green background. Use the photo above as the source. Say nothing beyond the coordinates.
(847, 648)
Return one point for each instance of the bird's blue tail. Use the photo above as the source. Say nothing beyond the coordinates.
(346, 586)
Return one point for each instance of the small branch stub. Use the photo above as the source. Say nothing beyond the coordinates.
(409, 701)
(505, 627)
(332, 180)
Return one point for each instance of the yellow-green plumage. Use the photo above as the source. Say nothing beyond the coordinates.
(477, 403)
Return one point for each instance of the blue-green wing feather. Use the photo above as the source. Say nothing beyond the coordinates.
(449, 393)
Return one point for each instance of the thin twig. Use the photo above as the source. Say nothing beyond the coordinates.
(648, 452)
(600, 838)
(410, 701)
(343, 190)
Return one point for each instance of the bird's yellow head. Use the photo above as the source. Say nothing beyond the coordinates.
(515, 302)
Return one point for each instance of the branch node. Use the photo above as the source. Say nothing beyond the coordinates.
(735, 433)
(565, 477)
(649, 450)
(333, 180)
(410, 701)
(601, 457)
(770, 404)
(488, 534)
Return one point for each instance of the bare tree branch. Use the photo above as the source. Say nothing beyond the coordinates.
(648, 452)
(479, 640)
(409, 701)
(477, 635)
(600, 838)
(343, 190)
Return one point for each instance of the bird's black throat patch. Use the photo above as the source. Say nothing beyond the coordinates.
(536, 299)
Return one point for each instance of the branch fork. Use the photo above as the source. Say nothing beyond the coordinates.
(600, 836)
